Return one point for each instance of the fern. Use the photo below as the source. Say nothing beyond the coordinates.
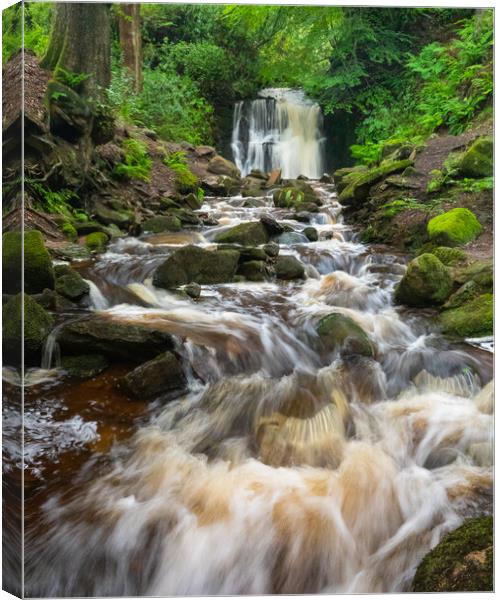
(185, 180)
(137, 164)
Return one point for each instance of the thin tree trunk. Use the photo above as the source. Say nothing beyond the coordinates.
(129, 22)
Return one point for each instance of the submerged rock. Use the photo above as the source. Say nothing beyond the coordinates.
(193, 264)
(289, 267)
(477, 161)
(455, 227)
(461, 562)
(84, 366)
(38, 269)
(159, 376)
(341, 333)
(246, 234)
(70, 284)
(427, 282)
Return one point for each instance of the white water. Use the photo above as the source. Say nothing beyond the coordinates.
(281, 129)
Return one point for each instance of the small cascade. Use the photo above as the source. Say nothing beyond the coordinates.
(51, 353)
(97, 298)
(280, 129)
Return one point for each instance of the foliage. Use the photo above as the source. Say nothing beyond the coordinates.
(137, 164)
(69, 78)
(50, 201)
(37, 18)
(185, 180)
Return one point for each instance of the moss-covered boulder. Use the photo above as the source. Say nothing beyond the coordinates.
(69, 231)
(159, 376)
(254, 270)
(70, 284)
(311, 234)
(121, 217)
(38, 270)
(455, 227)
(473, 318)
(246, 234)
(427, 282)
(477, 161)
(97, 241)
(37, 326)
(84, 366)
(449, 256)
(193, 264)
(289, 267)
(356, 192)
(295, 195)
(339, 332)
(162, 223)
(461, 562)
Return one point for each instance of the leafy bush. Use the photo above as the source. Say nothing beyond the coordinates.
(137, 163)
(185, 180)
(53, 202)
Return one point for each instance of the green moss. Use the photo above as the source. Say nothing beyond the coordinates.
(338, 332)
(455, 227)
(137, 164)
(38, 270)
(472, 319)
(69, 231)
(185, 180)
(449, 256)
(426, 282)
(70, 284)
(84, 366)
(477, 161)
(461, 562)
(391, 209)
(96, 241)
(437, 181)
(246, 234)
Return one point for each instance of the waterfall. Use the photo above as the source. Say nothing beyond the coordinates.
(280, 129)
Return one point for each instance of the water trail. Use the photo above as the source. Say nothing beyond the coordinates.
(97, 298)
(281, 129)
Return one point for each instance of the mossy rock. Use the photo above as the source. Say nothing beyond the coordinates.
(289, 267)
(159, 376)
(70, 284)
(253, 270)
(84, 366)
(479, 271)
(461, 562)
(69, 231)
(357, 190)
(474, 318)
(245, 234)
(477, 161)
(455, 227)
(427, 282)
(194, 264)
(37, 326)
(449, 256)
(287, 197)
(465, 293)
(97, 241)
(38, 270)
(110, 216)
(162, 223)
(341, 333)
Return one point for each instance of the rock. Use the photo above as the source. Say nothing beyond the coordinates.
(51, 300)
(274, 178)
(193, 290)
(247, 234)
(71, 252)
(339, 332)
(154, 378)
(187, 217)
(192, 201)
(426, 282)
(69, 231)
(97, 241)
(325, 178)
(461, 562)
(37, 326)
(84, 366)
(455, 227)
(356, 192)
(254, 270)
(110, 153)
(289, 267)
(474, 318)
(204, 151)
(38, 270)
(118, 340)
(220, 185)
(162, 223)
(193, 264)
(69, 115)
(109, 216)
(294, 195)
(272, 249)
(247, 254)
(94, 227)
(477, 160)
(479, 271)
(70, 284)
(272, 226)
(291, 238)
(252, 192)
(397, 150)
(223, 166)
(465, 293)
(302, 216)
(311, 234)
(449, 256)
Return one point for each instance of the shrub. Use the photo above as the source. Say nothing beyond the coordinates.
(185, 180)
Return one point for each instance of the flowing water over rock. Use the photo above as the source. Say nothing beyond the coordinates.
(281, 129)
(283, 468)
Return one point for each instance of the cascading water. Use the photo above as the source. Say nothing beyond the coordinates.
(281, 129)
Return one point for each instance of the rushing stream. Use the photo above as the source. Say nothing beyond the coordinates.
(281, 470)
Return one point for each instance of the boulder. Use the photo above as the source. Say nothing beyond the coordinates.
(38, 270)
(254, 270)
(295, 193)
(253, 233)
(193, 264)
(110, 216)
(311, 234)
(427, 282)
(477, 161)
(117, 340)
(455, 227)
(272, 249)
(204, 151)
(338, 332)
(274, 178)
(192, 201)
(159, 376)
(223, 166)
(69, 231)
(289, 267)
(97, 241)
(221, 185)
(91, 227)
(461, 562)
(84, 366)
(325, 178)
(70, 284)
(247, 254)
(186, 217)
(257, 174)
(449, 256)
(51, 300)
(272, 226)
(37, 326)
(474, 318)
(193, 290)
(161, 224)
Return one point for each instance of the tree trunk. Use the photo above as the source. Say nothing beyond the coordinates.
(80, 44)
(129, 21)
